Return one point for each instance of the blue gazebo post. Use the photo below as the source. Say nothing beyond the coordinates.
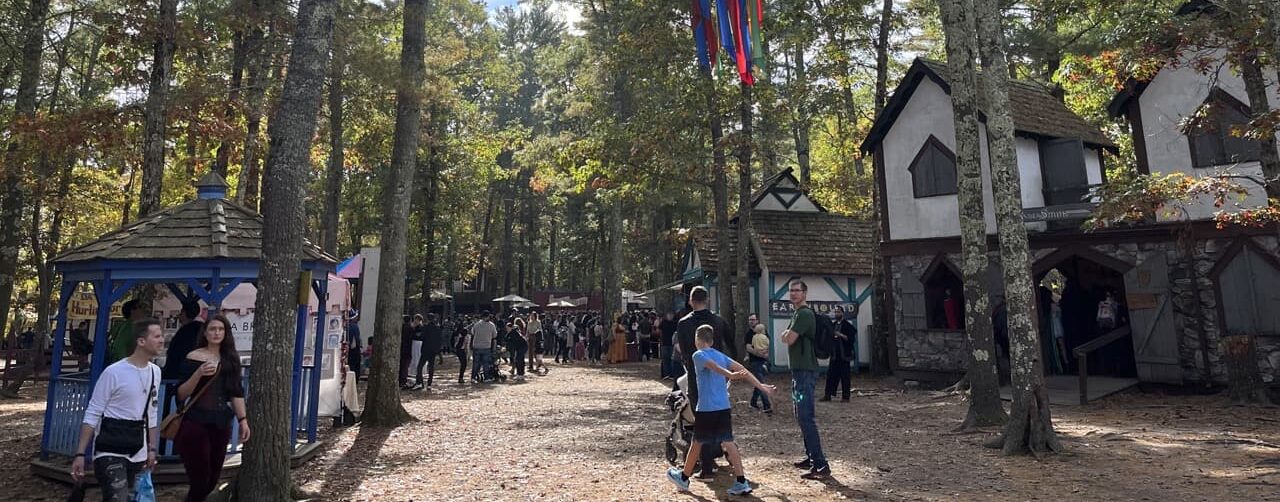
(55, 367)
(299, 345)
(321, 288)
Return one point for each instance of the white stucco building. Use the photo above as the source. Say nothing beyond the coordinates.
(1172, 298)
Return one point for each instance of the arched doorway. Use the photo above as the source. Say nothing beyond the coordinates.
(1085, 279)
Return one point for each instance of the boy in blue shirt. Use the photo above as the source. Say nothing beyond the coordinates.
(712, 420)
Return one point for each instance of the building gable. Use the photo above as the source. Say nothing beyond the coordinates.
(782, 192)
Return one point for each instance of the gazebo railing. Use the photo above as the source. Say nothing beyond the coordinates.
(70, 398)
(71, 393)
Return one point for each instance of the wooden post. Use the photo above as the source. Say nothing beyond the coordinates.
(1082, 365)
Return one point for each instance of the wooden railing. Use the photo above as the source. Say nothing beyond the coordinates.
(1082, 357)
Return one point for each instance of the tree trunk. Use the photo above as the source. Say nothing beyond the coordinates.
(17, 152)
(429, 212)
(508, 226)
(662, 265)
(484, 240)
(741, 288)
(882, 56)
(45, 172)
(223, 157)
(1030, 425)
(264, 476)
(719, 197)
(1244, 383)
(881, 362)
(333, 175)
(257, 61)
(1259, 104)
(801, 126)
(383, 408)
(769, 130)
(985, 407)
(554, 253)
(155, 113)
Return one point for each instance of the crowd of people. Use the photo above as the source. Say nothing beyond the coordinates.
(520, 341)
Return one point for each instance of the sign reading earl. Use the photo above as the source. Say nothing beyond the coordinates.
(784, 308)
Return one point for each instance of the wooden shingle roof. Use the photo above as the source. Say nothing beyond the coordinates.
(1033, 108)
(799, 242)
(704, 241)
(816, 243)
(210, 227)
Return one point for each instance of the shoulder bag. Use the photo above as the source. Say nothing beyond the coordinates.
(124, 437)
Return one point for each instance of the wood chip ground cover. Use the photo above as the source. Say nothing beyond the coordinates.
(595, 434)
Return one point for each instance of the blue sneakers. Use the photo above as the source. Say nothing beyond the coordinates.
(675, 476)
(740, 488)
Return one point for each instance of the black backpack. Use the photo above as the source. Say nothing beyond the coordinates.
(824, 337)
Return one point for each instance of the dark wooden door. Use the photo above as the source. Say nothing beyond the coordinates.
(1155, 339)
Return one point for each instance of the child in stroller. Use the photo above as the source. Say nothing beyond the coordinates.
(680, 433)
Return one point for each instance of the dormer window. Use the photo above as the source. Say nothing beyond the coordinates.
(1215, 134)
(933, 172)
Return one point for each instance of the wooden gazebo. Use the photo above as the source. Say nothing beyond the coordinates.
(202, 249)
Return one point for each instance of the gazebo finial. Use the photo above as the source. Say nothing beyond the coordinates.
(211, 186)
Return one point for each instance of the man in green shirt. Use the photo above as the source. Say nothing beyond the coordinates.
(800, 337)
(120, 340)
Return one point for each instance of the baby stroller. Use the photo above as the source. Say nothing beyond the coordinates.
(680, 433)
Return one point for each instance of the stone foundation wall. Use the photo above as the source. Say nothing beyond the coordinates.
(920, 348)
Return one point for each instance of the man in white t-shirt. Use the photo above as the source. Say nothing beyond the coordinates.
(483, 333)
(123, 414)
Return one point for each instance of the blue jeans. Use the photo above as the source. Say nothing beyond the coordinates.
(481, 359)
(760, 369)
(802, 384)
(665, 357)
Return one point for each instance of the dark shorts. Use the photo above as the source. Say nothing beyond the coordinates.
(712, 426)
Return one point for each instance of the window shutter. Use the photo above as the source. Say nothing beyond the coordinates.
(933, 172)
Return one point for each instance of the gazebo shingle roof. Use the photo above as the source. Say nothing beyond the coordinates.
(204, 228)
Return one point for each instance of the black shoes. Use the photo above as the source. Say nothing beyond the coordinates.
(821, 472)
(803, 464)
(844, 399)
(825, 399)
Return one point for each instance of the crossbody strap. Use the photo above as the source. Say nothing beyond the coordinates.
(200, 393)
(146, 410)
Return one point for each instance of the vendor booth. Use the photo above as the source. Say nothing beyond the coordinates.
(207, 249)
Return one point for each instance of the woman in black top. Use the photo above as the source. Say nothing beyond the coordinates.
(206, 428)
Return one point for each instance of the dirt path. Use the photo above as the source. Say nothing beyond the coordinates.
(595, 434)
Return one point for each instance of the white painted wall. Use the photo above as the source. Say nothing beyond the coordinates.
(369, 290)
(928, 113)
(1174, 94)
